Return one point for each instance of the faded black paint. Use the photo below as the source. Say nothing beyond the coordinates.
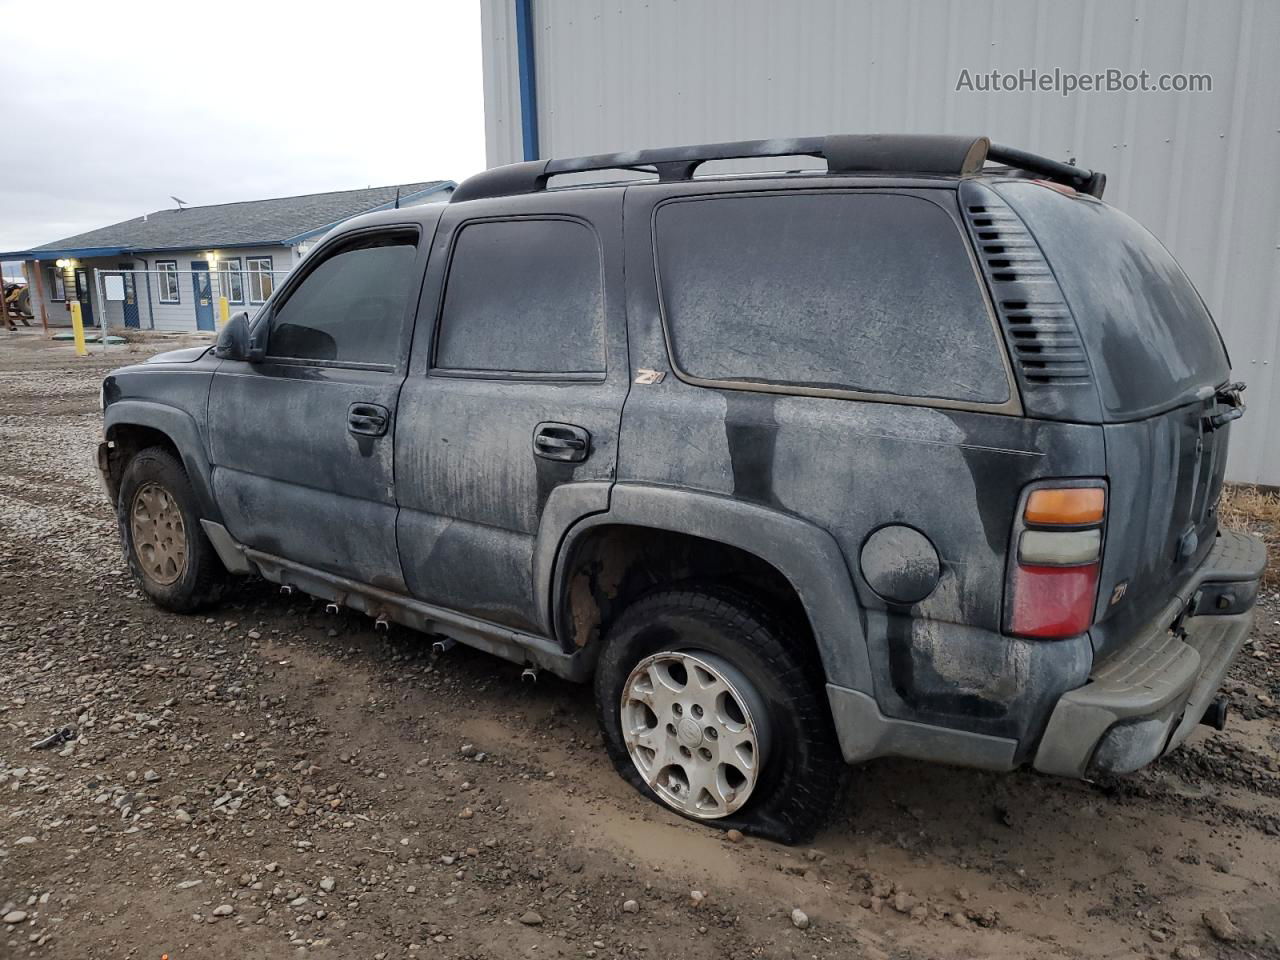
(989, 472)
(286, 462)
(182, 355)
(1166, 473)
(751, 430)
(452, 507)
(900, 564)
(850, 467)
(472, 492)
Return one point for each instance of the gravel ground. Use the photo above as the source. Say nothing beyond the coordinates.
(270, 781)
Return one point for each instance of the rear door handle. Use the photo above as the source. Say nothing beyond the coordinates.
(561, 441)
(368, 419)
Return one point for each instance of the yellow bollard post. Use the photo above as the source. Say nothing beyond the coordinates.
(224, 312)
(77, 328)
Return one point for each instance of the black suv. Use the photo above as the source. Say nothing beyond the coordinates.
(918, 455)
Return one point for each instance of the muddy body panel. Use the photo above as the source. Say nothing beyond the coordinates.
(168, 395)
(844, 389)
(501, 421)
(941, 483)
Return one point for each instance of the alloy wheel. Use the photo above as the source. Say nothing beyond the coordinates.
(697, 731)
(159, 534)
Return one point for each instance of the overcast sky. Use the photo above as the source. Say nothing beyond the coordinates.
(107, 109)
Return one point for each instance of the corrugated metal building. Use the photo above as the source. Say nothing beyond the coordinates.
(573, 77)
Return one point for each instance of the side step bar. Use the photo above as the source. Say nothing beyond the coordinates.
(517, 646)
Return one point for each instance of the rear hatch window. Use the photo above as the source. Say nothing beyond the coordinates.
(1151, 342)
(867, 292)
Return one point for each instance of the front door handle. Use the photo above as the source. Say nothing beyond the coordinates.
(561, 441)
(368, 419)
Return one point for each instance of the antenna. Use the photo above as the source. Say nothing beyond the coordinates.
(181, 203)
(397, 198)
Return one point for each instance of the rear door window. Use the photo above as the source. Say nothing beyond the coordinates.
(523, 297)
(1151, 342)
(866, 292)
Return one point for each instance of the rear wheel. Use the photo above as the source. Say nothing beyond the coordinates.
(712, 707)
(164, 544)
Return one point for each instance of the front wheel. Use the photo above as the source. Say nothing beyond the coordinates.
(164, 544)
(714, 709)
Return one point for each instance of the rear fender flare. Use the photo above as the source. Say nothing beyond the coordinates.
(805, 554)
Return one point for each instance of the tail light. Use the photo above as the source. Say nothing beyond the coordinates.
(1057, 550)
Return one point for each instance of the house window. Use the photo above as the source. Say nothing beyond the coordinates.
(261, 281)
(230, 280)
(168, 278)
(57, 284)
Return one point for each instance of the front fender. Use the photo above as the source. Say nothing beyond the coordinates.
(806, 555)
(181, 428)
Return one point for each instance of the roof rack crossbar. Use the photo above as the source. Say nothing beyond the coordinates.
(853, 153)
(690, 157)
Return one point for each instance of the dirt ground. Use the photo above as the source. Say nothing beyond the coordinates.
(267, 780)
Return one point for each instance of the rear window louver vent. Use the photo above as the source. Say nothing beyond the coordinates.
(1038, 326)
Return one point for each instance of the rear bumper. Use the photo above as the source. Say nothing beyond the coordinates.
(1146, 697)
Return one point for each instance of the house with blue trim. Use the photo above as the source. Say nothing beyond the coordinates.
(166, 270)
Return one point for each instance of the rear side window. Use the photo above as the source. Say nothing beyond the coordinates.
(523, 296)
(351, 308)
(1151, 342)
(867, 292)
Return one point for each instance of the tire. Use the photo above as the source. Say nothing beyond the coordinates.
(720, 635)
(174, 562)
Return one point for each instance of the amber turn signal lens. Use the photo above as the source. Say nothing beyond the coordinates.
(1065, 506)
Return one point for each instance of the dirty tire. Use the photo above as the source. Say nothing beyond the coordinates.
(801, 780)
(202, 578)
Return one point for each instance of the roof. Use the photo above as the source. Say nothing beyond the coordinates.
(285, 220)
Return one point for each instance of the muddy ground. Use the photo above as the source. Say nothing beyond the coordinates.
(271, 781)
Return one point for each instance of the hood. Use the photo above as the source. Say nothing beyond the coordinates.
(185, 355)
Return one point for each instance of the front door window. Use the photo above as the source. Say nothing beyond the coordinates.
(351, 307)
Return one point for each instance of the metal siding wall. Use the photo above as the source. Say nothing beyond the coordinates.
(501, 82)
(1197, 169)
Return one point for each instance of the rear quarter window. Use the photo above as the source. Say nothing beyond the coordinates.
(1151, 343)
(865, 292)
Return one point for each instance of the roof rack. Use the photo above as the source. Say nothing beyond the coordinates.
(844, 153)
(1092, 182)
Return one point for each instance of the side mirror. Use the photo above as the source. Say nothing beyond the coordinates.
(234, 341)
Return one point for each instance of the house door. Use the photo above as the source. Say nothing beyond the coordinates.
(82, 294)
(202, 293)
(130, 304)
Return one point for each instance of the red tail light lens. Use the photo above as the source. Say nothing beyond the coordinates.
(1053, 601)
(1055, 560)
